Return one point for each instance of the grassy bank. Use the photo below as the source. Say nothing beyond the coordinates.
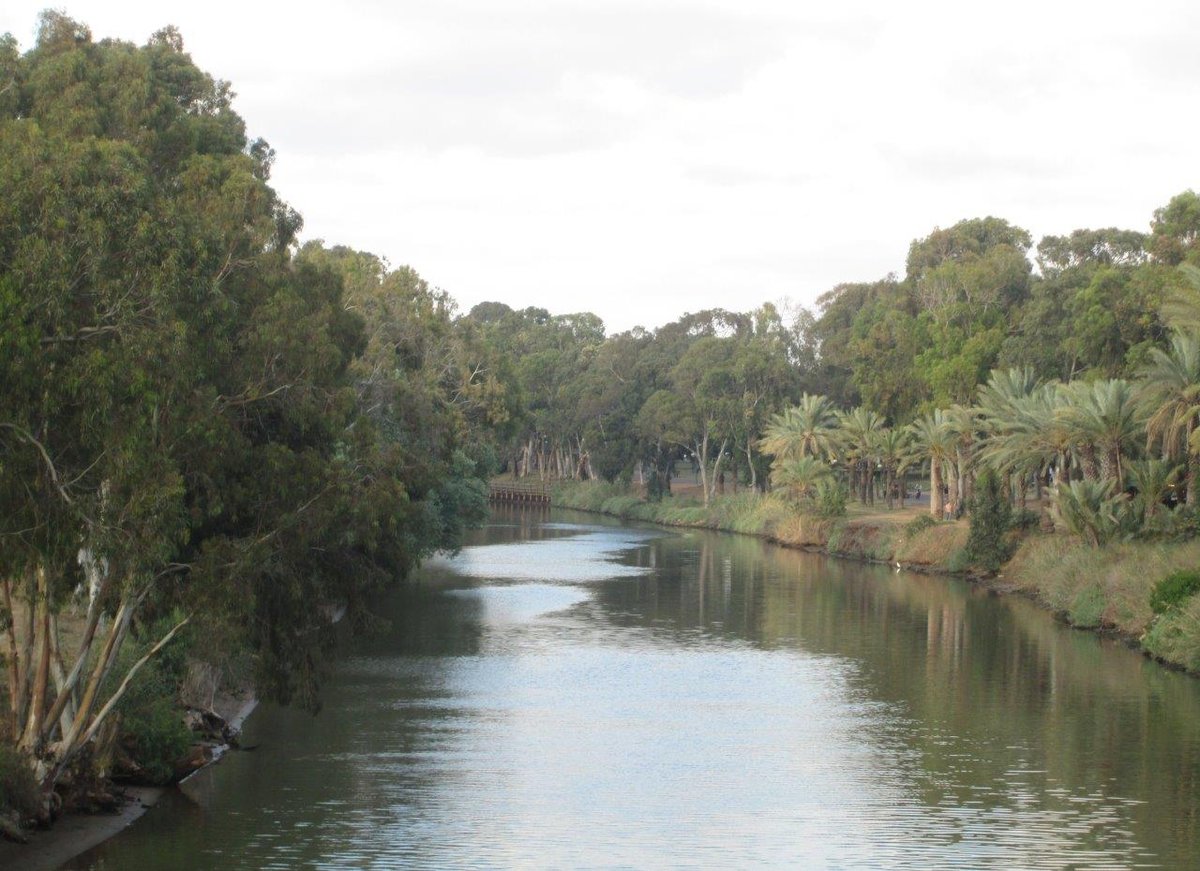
(1104, 589)
(864, 533)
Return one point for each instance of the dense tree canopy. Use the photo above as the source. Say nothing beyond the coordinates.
(196, 418)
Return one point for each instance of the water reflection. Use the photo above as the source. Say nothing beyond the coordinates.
(582, 695)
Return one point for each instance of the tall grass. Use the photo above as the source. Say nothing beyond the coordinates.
(1107, 587)
(769, 516)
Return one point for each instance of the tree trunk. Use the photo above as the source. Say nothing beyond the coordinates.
(1190, 462)
(716, 472)
(935, 489)
(14, 661)
(37, 699)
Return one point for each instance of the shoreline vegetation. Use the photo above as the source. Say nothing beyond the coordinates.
(1106, 590)
(211, 429)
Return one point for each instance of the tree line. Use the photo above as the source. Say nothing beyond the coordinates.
(205, 428)
(208, 427)
(1084, 369)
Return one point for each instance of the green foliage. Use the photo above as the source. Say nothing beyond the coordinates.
(990, 517)
(1087, 608)
(830, 500)
(1025, 520)
(1093, 510)
(152, 728)
(1175, 636)
(18, 789)
(1171, 592)
(917, 525)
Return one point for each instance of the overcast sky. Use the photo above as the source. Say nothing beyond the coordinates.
(643, 159)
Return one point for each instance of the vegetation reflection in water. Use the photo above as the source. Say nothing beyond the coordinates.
(582, 695)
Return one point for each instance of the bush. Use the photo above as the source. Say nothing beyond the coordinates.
(918, 525)
(1025, 520)
(1175, 636)
(18, 787)
(1087, 609)
(1173, 590)
(830, 500)
(152, 728)
(990, 518)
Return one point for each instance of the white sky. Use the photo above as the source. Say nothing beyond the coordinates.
(643, 159)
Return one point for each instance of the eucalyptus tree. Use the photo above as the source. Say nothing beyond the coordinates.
(179, 421)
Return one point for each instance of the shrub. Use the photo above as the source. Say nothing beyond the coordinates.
(1087, 610)
(990, 517)
(1173, 590)
(918, 525)
(18, 787)
(830, 500)
(1093, 510)
(1175, 636)
(1025, 520)
(152, 729)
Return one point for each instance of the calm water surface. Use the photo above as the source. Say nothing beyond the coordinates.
(568, 693)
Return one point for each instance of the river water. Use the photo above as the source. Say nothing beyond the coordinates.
(571, 693)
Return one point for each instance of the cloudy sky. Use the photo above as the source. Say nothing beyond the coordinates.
(643, 159)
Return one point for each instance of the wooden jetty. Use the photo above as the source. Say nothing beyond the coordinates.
(536, 492)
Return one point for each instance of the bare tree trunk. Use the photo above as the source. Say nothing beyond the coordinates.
(935, 489)
(37, 699)
(716, 473)
(1189, 460)
(14, 660)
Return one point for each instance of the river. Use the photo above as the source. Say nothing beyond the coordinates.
(568, 692)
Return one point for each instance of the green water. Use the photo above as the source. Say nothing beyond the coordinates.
(569, 693)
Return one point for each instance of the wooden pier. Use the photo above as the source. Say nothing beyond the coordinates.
(535, 492)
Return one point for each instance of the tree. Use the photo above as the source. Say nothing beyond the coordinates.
(188, 425)
(804, 430)
(1170, 394)
(934, 441)
(800, 477)
(990, 514)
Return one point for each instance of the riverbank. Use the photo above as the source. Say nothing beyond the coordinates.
(75, 833)
(1098, 589)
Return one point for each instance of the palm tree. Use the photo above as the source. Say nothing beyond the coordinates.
(1170, 393)
(859, 429)
(800, 477)
(803, 431)
(894, 449)
(1031, 434)
(1106, 417)
(997, 410)
(1153, 480)
(935, 440)
(1090, 509)
(963, 421)
(998, 397)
